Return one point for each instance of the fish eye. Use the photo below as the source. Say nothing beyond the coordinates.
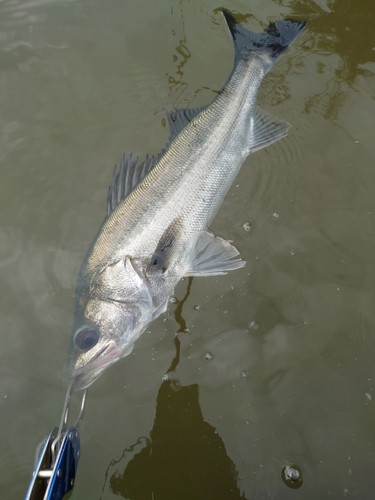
(86, 338)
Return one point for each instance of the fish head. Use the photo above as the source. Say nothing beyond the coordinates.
(111, 312)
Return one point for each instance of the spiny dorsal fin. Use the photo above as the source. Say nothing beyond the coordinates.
(179, 118)
(129, 175)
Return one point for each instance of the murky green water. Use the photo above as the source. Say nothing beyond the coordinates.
(273, 365)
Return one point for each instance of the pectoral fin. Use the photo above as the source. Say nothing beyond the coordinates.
(265, 129)
(160, 310)
(166, 250)
(212, 256)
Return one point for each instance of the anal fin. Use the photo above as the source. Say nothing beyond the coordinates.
(265, 129)
(212, 255)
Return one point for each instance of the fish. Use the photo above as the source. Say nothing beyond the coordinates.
(158, 210)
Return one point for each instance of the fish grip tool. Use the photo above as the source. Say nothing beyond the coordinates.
(57, 462)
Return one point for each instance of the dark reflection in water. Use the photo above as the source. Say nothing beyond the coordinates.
(344, 30)
(177, 85)
(183, 458)
(178, 313)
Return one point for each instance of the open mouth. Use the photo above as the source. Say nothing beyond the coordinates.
(86, 375)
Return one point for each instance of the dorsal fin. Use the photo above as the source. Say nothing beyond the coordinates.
(129, 175)
(179, 118)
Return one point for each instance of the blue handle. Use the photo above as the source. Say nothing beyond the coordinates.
(54, 483)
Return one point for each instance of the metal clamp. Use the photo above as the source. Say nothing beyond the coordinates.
(56, 467)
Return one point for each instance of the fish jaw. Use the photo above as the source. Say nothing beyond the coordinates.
(83, 376)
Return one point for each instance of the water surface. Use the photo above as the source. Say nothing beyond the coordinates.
(273, 364)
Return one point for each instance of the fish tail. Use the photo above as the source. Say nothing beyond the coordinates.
(271, 42)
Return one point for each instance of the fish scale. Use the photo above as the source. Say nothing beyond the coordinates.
(186, 176)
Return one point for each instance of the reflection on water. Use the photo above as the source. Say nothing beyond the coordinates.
(184, 457)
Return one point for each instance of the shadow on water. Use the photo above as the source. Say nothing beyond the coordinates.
(183, 458)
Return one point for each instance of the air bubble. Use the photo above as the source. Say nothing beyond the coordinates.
(173, 300)
(208, 356)
(275, 215)
(254, 325)
(292, 476)
(247, 226)
(175, 385)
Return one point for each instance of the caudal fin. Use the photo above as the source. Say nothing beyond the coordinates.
(272, 41)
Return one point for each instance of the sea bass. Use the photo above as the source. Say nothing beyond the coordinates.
(158, 210)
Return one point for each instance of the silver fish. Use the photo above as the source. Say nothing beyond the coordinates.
(155, 231)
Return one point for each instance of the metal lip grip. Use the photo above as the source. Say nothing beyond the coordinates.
(56, 467)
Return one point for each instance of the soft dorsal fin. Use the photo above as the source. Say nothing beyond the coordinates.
(179, 118)
(129, 175)
(265, 129)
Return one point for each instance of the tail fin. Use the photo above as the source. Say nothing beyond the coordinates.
(273, 41)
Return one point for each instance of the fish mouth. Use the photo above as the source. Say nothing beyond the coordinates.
(86, 375)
